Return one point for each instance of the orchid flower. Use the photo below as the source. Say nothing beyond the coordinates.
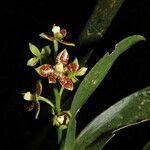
(35, 98)
(62, 71)
(58, 35)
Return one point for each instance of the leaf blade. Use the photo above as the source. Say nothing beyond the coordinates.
(131, 110)
(100, 142)
(70, 138)
(99, 71)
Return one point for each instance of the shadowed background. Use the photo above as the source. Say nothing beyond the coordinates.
(22, 21)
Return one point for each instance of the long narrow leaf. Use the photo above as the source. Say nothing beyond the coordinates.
(96, 75)
(99, 71)
(100, 142)
(70, 138)
(131, 110)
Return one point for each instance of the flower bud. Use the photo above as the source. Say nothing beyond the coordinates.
(62, 119)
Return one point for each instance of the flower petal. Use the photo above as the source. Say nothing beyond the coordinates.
(66, 82)
(72, 67)
(38, 88)
(63, 32)
(81, 71)
(62, 57)
(44, 70)
(30, 106)
(66, 43)
(52, 78)
(47, 37)
(28, 96)
(32, 61)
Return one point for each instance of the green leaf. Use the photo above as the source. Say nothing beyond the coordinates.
(100, 142)
(34, 50)
(97, 74)
(147, 146)
(41, 98)
(70, 138)
(46, 51)
(132, 110)
(99, 21)
(32, 61)
(99, 71)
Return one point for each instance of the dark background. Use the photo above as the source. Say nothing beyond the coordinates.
(22, 21)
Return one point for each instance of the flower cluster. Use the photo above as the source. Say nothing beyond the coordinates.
(58, 70)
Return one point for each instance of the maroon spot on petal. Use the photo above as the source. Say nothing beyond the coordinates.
(38, 88)
(72, 67)
(30, 106)
(52, 78)
(63, 57)
(66, 82)
(46, 70)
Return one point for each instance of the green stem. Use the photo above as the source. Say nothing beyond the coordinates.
(55, 43)
(61, 91)
(59, 133)
(41, 98)
(40, 60)
(58, 96)
(57, 100)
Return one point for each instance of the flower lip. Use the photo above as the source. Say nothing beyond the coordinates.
(59, 68)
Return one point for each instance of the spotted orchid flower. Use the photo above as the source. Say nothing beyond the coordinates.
(58, 35)
(62, 71)
(35, 99)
